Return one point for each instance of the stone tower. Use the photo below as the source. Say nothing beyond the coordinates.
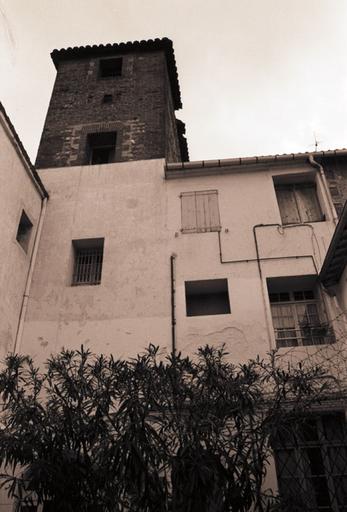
(113, 103)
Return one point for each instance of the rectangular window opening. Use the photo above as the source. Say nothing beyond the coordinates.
(200, 211)
(24, 231)
(109, 68)
(101, 147)
(298, 313)
(298, 202)
(107, 98)
(88, 257)
(207, 297)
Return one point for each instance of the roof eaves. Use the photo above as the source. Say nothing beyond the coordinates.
(29, 166)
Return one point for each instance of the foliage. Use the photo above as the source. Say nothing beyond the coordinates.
(149, 434)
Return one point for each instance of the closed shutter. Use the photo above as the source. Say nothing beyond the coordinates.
(200, 212)
(287, 205)
(188, 210)
(308, 205)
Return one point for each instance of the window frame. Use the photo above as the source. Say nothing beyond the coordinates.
(309, 334)
(87, 273)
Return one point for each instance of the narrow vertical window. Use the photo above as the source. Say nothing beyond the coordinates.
(24, 231)
(88, 258)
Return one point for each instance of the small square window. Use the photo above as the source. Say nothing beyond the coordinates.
(109, 68)
(24, 231)
(88, 257)
(207, 297)
(107, 98)
(101, 147)
(200, 211)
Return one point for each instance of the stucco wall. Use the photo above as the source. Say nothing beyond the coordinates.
(18, 193)
(138, 213)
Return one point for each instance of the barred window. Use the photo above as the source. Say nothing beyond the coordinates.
(298, 203)
(311, 464)
(200, 212)
(88, 256)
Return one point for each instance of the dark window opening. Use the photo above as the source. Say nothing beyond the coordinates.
(208, 297)
(101, 147)
(108, 98)
(88, 257)
(24, 231)
(111, 67)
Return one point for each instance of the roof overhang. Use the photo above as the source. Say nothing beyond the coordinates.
(336, 257)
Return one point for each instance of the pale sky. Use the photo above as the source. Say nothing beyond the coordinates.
(257, 76)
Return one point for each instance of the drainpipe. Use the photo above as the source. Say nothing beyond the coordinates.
(25, 299)
(173, 304)
(318, 166)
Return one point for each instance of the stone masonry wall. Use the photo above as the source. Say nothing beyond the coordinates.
(141, 111)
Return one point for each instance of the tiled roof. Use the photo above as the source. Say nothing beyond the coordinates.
(129, 47)
(226, 165)
(24, 154)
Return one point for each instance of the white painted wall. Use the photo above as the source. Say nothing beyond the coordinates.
(17, 193)
(138, 213)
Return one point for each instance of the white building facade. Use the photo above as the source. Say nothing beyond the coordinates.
(115, 251)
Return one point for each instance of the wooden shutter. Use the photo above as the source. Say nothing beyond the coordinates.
(307, 200)
(188, 212)
(200, 212)
(287, 204)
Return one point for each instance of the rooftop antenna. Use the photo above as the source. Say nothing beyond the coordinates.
(316, 142)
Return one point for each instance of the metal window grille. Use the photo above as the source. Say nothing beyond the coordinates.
(200, 211)
(311, 464)
(88, 265)
(299, 319)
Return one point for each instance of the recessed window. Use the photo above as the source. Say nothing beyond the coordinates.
(311, 463)
(101, 147)
(109, 68)
(200, 212)
(298, 313)
(107, 98)
(207, 297)
(88, 256)
(24, 231)
(298, 203)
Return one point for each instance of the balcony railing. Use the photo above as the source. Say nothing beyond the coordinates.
(306, 335)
